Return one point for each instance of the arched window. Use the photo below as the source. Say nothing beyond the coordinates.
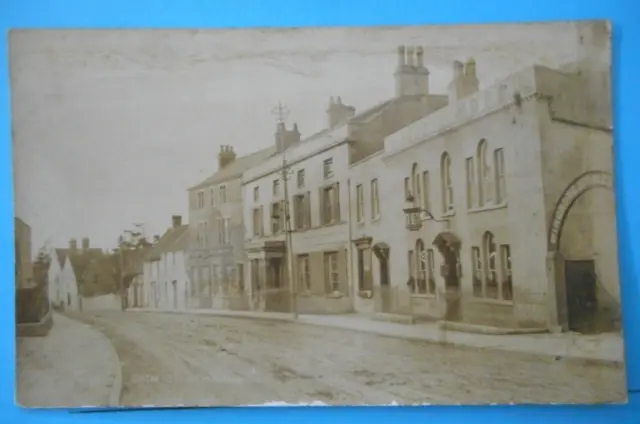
(490, 265)
(447, 187)
(421, 257)
(484, 174)
(416, 188)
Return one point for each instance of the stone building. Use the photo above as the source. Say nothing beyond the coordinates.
(216, 254)
(319, 193)
(498, 209)
(23, 264)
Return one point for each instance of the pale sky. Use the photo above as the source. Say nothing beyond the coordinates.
(111, 127)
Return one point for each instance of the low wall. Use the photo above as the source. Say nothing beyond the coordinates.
(36, 329)
(31, 304)
(107, 302)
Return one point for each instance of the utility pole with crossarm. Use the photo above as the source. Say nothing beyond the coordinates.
(281, 113)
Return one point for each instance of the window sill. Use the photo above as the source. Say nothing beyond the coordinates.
(423, 295)
(376, 219)
(491, 301)
(490, 207)
(360, 223)
(448, 215)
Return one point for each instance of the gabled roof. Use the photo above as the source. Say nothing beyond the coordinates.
(173, 240)
(61, 255)
(236, 168)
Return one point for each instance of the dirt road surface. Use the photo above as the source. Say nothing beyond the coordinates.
(174, 359)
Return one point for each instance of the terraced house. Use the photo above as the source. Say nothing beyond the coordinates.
(216, 257)
(498, 208)
(317, 168)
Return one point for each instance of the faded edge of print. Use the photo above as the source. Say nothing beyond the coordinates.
(328, 216)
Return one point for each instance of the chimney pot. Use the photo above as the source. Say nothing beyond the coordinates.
(176, 221)
(226, 156)
(458, 69)
(410, 57)
(470, 68)
(401, 56)
(419, 57)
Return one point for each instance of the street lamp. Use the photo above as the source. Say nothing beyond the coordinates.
(281, 113)
(413, 216)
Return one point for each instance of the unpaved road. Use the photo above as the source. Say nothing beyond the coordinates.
(173, 359)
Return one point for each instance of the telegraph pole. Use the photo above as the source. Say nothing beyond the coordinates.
(281, 113)
(121, 282)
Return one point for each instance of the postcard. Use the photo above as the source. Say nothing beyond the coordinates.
(327, 216)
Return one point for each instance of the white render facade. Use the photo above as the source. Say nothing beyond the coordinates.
(66, 290)
(166, 283)
(321, 219)
(318, 187)
(498, 209)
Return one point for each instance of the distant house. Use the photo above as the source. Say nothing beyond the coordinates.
(166, 283)
(58, 258)
(68, 276)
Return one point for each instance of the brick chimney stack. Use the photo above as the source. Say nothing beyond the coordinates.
(73, 245)
(176, 221)
(465, 81)
(411, 75)
(338, 113)
(226, 156)
(85, 244)
(284, 137)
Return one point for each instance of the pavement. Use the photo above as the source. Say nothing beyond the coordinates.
(605, 349)
(73, 366)
(174, 360)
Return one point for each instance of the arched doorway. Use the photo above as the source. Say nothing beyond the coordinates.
(448, 244)
(381, 250)
(575, 255)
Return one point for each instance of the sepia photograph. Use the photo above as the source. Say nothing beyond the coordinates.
(419, 215)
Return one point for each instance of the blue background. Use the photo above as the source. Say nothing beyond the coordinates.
(228, 13)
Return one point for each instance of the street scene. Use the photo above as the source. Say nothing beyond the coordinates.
(339, 216)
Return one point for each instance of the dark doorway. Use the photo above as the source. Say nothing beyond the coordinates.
(451, 275)
(384, 283)
(582, 299)
(381, 251)
(449, 246)
(174, 283)
(275, 273)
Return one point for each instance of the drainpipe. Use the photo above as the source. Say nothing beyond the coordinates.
(352, 293)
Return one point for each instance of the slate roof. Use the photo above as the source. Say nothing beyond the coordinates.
(243, 163)
(173, 240)
(237, 167)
